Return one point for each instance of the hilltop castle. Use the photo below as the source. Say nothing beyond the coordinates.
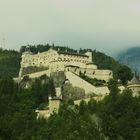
(56, 60)
(72, 64)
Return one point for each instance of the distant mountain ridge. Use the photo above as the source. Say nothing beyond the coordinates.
(131, 58)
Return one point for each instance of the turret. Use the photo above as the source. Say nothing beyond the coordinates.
(89, 53)
(25, 54)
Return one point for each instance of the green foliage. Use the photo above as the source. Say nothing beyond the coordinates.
(33, 69)
(73, 123)
(106, 62)
(58, 78)
(6, 85)
(116, 117)
(124, 73)
(120, 116)
(41, 48)
(92, 81)
(9, 62)
(73, 93)
(41, 88)
(17, 106)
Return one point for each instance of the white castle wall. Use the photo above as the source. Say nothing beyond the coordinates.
(92, 73)
(135, 89)
(100, 74)
(43, 113)
(57, 66)
(79, 82)
(44, 58)
(97, 98)
(40, 59)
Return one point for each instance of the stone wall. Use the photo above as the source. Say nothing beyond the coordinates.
(105, 75)
(79, 82)
(40, 59)
(98, 98)
(54, 105)
(135, 89)
(43, 113)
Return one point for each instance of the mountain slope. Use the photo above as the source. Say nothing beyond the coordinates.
(131, 58)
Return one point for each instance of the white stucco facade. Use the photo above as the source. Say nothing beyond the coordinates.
(89, 88)
(65, 61)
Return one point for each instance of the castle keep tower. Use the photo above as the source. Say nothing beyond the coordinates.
(89, 54)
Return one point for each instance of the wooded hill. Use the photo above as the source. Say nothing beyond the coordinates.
(10, 60)
(116, 117)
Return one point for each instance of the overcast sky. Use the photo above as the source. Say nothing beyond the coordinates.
(105, 25)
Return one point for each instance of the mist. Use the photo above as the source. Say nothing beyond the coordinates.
(108, 26)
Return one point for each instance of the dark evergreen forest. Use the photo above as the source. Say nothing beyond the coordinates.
(116, 117)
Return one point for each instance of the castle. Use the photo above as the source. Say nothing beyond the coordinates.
(72, 64)
(56, 60)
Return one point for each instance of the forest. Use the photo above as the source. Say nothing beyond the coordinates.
(116, 117)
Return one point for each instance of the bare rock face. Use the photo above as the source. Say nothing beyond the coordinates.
(131, 58)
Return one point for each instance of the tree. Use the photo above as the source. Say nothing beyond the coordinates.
(6, 85)
(124, 73)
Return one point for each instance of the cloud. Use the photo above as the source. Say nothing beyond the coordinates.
(77, 23)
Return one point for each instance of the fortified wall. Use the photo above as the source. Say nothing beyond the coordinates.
(72, 64)
(64, 61)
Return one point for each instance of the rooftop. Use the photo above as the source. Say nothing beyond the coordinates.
(72, 53)
(134, 80)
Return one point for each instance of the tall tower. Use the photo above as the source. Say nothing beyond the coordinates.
(24, 55)
(89, 53)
